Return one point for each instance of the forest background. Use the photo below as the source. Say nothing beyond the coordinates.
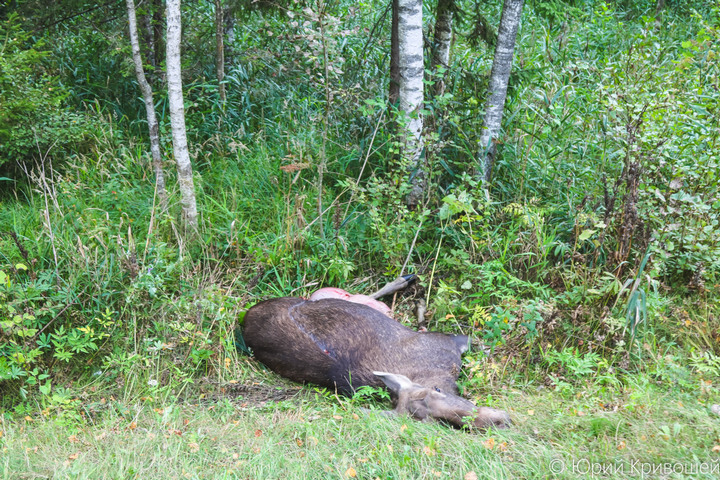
(586, 265)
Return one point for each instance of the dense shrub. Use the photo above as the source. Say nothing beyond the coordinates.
(34, 120)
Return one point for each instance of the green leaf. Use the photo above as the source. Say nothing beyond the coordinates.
(45, 389)
(659, 195)
(586, 234)
(444, 212)
(27, 332)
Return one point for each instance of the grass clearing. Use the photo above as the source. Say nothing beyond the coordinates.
(622, 432)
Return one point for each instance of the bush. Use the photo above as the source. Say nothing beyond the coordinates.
(33, 116)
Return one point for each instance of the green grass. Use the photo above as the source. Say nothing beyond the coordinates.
(314, 434)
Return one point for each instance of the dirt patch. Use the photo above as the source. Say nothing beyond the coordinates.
(258, 395)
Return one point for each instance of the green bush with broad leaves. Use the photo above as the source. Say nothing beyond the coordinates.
(637, 133)
(32, 336)
(34, 120)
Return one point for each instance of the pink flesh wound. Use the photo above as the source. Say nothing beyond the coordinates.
(330, 292)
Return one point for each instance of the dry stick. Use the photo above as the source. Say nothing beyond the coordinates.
(432, 272)
(407, 259)
(412, 247)
(319, 216)
(53, 319)
(371, 35)
(420, 309)
(362, 169)
(54, 195)
(152, 219)
(178, 237)
(49, 226)
(47, 206)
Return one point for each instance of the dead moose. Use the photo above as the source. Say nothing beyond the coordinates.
(343, 345)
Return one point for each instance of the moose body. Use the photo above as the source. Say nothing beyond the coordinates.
(343, 345)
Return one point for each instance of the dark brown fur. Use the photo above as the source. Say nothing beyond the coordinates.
(344, 345)
(338, 344)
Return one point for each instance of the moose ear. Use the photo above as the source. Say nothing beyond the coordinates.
(394, 381)
(462, 342)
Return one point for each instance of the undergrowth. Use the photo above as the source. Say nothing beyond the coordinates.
(588, 269)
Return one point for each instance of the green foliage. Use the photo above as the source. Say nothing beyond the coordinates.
(34, 117)
(630, 152)
(27, 308)
(365, 393)
(556, 10)
(706, 364)
(600, 224)
(575, 364)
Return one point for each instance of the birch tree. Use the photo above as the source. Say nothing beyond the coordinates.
(411, 69)
(499, 76)
(149, 106)
(177, 115)
(219, 49)
(442, 41)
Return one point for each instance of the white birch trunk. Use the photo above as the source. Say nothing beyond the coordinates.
(442, 41)
(410, 50)
(499, 76)
(177, 115)
(149, 106)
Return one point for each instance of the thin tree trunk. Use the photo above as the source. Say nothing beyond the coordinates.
(442, 42)
(148, 38)
(410, 49)
(394, 93)
(219, 50)
(322, 10)
(149, 106)
(659, 7)
(229, 29)
(499, 76)
(158, 29)
(177, 116)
